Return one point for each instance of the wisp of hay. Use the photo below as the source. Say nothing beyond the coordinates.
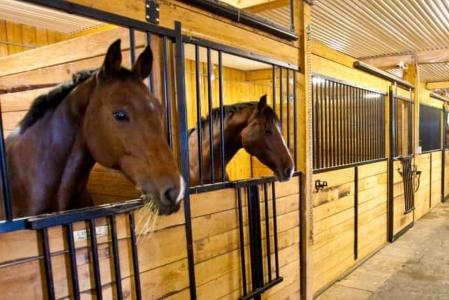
(149, 213)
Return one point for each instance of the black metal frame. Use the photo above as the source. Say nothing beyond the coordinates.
(90, 215)
(409, 171)
(240, 16)
(383, 74)
(341, 121)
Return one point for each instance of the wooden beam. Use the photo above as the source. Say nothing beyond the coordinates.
(437, 85)
(267, 6)
(421, 57)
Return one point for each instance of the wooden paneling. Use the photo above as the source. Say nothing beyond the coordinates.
(422, 195)
(15, 38)
(333, 212)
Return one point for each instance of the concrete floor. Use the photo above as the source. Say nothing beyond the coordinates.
(414, 267)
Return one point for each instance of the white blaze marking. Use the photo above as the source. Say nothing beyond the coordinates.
(288, 150)
(181, 190)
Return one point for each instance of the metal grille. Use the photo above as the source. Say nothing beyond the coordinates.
(408, 175)
(348, 124)
(429, 128)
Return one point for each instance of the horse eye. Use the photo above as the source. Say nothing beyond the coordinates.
(268, 132)
(120, 116)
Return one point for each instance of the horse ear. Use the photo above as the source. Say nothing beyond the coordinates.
(144, 63)
(113, 59)
(262, 103)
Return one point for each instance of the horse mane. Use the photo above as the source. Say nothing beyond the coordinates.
(50, 101)
(229, 110)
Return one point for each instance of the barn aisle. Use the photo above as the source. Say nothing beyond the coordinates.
(414, 267)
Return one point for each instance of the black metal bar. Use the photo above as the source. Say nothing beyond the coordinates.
(281, 96)
(315, 128)
(318, 171)
(184, 153)
(288, 108)
(135, 256)
(430, 182)
(390, 212)
(259, 291)
(73, 264)
(198, 112)
(443, 154)
(8, 226)
(95, 259)
(211, 118)
(220, 92)
(356, 213)
(66, 217)
(295, 123)
(240, 16)
(255, 237)
(242, 241)
(132, 46)
(273, 75)
(116, 253)
(292, 16)
(267, 231)
(382, 74)
(401, 232)
(355, 127)
(150, 78)
(326, 150)
(166, 92)
(4, 173)
(48, 265)
(341, 136)
(275, 229)
(321, 118)
(439, 97)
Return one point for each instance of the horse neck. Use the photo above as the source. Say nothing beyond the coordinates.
(64, 173)
(232, 128)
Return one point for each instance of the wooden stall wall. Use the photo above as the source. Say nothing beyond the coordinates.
(334, 225)
(334, 219)
(15, 37)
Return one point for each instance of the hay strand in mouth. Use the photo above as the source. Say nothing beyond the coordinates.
(149, 214)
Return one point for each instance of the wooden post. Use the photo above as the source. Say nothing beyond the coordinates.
(303, 23)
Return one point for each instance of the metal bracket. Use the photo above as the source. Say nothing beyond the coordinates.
(320, 185)
(152, 11)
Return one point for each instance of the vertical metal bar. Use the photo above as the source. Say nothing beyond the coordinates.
(292, 17)
(315, 122)
(150, 78)
(326, 150)
(295, 124)
(273, 75)
(184, 153)
(135, 255)
(4, 173)
(132, 46)
(267, 231)
(95, 260)
(355, 126)
(275, 229)
(360, 125)
(211, 118)
(116, 253)
(166, 85)
(198, 112)
(242, 241)
(321, 116)
(347, 117)
(48, 265)
(340, 138)
(333, 125)
(288, 107)
(356, 212)
(443, 154)
(430, 182)
(220, 92)
(337, 125)
(73, 264)
(281, 96)
(390, 211)
(255, 237)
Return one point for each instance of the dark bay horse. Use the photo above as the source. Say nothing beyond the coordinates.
(253, 126)
(106, 116)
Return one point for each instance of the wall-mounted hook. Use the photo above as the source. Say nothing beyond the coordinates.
(320, 185)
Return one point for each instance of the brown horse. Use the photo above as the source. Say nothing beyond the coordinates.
(106, 116)
(253, 126)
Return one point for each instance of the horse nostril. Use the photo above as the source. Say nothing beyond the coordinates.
(287, 172)
(171, 194)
